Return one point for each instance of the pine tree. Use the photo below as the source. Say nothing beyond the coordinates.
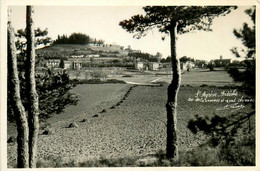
(173, 20)
(16, 102)
(33, 102)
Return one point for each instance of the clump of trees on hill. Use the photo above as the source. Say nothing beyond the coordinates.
(164, 60)
(76, 38)
(185, 59)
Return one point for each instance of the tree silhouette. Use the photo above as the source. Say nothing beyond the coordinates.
(31, 93)
(23, 97)
(27, 126)
(173, 20)
(16, 102)
(247, 36)
(62, 64)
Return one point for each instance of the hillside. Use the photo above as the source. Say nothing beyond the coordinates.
(67, 50)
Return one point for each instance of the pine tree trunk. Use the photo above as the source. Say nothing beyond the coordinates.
(33, 105)
(172, 146)
(15, 99)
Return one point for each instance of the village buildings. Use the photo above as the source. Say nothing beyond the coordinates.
(94, 55)
(139, 65)
(221, 62)
(154, 66)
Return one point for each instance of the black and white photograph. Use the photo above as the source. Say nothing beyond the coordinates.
(128, 86)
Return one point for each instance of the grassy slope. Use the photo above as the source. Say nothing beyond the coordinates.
(80, 49)
(93, 97)
(63, 47)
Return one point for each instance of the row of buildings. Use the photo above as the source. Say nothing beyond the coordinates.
(78, 64)
(185, 66)
(56, 63)
(153, 66)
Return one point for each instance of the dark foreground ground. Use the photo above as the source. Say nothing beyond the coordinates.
(134, 126)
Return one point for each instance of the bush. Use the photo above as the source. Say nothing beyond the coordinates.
(241, 152)
(127, 75)
(53, 89)
(50, 161)
(211, 66)
(201, 156)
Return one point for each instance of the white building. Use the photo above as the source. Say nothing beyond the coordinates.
(67, 64)
(139, 65)
(77, 56)
(53, 63)
(77, 64)
(154, 66)
(93, 56)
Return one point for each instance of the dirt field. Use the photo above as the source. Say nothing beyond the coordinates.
(130, 126)
(93, 98)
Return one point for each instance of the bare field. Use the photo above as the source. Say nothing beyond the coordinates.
(134, 126)
(93, 98)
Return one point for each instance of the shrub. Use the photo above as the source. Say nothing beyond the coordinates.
(127, 75)
(53, 89)
(241, 152)
(211, 66)
(201, 156)
(50, 162)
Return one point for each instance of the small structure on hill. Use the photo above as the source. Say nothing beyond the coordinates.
(77, 64)
(67, 64)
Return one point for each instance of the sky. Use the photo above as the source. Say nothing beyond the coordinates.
(102, 22)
